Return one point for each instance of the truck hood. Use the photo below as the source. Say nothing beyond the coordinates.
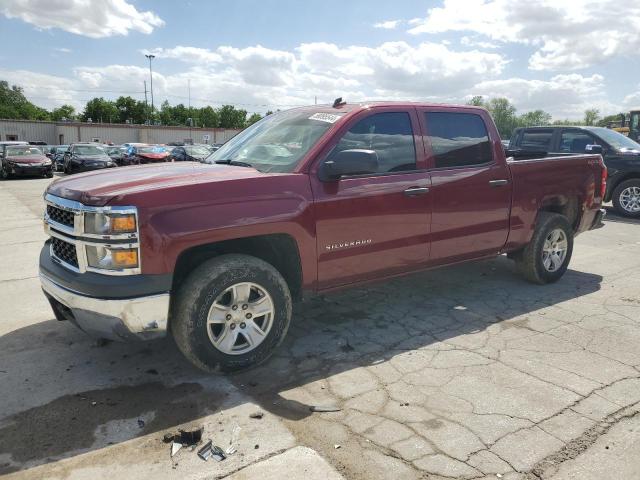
(99, 187)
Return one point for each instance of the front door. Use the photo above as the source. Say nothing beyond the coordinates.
(471, 190)
(374, 225)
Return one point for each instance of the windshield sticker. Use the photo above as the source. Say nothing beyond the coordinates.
(325, 117)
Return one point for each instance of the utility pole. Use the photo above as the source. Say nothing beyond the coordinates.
(151, 57)
(190, 116)
(146, 105)
(316, 100)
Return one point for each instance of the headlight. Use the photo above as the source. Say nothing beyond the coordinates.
(109, 223)
(108, 258)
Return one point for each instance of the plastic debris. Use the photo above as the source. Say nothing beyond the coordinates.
(184, 438)
(175, 447)
(336, 446)
(460, 307)
(231, 450)
(324, 408)
(257, 415)
(211, 451)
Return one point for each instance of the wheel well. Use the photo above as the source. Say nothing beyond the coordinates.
(280, 250)
(567, 207)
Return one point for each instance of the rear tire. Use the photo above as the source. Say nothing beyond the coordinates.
(546, 258)
(202, 315)
(626, 198)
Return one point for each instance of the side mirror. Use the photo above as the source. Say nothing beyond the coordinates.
(594, 149)
(349, 162)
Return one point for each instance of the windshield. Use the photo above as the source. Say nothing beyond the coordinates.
(197, 151)
(615, 139)
(21, 151)
(151, 150)
(277, 142)
(88, 150)
(62, 148)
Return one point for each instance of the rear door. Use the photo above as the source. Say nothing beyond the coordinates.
(373, 225)
(470, 185)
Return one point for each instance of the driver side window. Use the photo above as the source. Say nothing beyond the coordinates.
(388, 134)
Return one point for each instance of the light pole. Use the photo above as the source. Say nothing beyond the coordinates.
(151, 57)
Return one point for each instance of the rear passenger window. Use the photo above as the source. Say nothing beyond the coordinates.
(539, 140)
(574, 141)
(458, 139)
(389, 134)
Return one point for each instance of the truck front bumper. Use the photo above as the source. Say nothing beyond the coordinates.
(139, 318)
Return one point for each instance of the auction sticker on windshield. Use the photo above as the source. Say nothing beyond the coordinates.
(325, 117)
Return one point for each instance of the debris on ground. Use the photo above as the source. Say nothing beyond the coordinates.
(459, 307)
(175, 447)
(256, 446)
(336, 446)
(257, 415)
(231, 450)
(140, 423)
(93, 404)
(211, 451)
(324, 408)
(184, 437)
(152, 371)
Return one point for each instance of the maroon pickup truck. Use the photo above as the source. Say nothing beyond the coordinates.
(306, 200)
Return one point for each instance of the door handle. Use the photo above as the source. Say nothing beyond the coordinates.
(415, 191)
(498, 183)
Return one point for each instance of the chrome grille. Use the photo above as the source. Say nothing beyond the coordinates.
(64, 251)
(64, 217)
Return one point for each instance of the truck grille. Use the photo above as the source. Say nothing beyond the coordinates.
(65, 251)
(59, 215)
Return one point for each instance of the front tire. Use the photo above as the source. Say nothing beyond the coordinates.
(546, 258)
(626, 198)
(231, 313)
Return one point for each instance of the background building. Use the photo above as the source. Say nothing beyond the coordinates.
(61, 133)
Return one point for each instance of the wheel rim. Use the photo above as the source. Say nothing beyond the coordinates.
(240, 318)
(554, 250)
(630, 199)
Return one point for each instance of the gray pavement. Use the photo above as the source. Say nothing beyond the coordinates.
(466, 372)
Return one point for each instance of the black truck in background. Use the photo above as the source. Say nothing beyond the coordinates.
(621, 156)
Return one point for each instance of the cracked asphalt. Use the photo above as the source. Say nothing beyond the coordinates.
(465, 372)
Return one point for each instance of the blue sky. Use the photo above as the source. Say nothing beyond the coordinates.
(274, 54)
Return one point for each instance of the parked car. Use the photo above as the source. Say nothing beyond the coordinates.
(117, 154)
(56, 154)
(83, 157)
(621, 156)
(142, 154)
(24, 160)
(190, 153)
(365, 192)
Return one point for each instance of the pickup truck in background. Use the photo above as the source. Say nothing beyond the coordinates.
(621, 156)
(307, 200)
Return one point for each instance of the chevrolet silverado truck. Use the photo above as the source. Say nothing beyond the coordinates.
(305, 201)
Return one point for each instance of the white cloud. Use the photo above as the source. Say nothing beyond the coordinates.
(90, 18)
(564, 96)
(388, 24)
(259, 79)
(474, 42)
(567, 35)
(62, 50)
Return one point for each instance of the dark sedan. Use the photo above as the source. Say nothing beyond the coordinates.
(24, 160)
(190, 153)
(86, 157)
(56, 154)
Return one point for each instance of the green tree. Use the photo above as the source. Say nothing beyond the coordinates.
(13, 104)
(477, 101)
(100, 110)
(591, 116)
(209, 117)
(255, 117)
(230, 117)
(66, 112)
(504, 114)
(535, 118)
(131, 109)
